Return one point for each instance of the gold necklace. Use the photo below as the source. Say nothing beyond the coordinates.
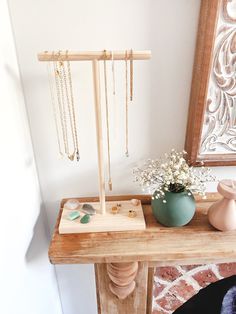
(114, 95)
(73, 109)
(70, 156)
(65, 101)
(58, 92)
(131, 75)
(50, 81)
(126, 105)
(64, 115)
(107, 123)
(113, 75)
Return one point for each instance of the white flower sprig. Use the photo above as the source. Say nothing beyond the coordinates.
(172, 174)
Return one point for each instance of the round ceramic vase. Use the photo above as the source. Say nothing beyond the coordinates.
(177, 211)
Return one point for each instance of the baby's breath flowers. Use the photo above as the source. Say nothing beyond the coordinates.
(172, 174)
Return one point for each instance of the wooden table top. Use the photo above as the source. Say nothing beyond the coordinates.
(196, 243)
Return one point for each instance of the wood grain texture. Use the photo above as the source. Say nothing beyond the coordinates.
(105, 222)
(93, 55)
(122, 276)
(134, 303)
(216, 160)
(96, 271)
(198, 242)
(98, 120)
(201, 71)
(150, 289)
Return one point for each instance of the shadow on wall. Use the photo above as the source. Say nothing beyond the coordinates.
(40, 238)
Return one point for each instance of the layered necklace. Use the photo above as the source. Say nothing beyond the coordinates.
(62, 98)
(64, 107)
(128, 98)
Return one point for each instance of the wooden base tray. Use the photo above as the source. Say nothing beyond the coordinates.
(107, 222)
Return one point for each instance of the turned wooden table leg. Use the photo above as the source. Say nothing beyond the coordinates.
(122, 288)
(122, 277)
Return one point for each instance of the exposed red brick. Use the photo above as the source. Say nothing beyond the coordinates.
(183, 289)
(158, 288)
(189, 267)
(205, 277)
(169, 302)
(158, 312)
(227, 270)
(167, 273)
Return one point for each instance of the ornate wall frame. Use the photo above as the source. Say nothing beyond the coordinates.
(211, 128)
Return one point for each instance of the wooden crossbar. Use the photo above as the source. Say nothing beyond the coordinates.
(93, 55)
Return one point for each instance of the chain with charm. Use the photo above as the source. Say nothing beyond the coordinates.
(73, 108)
(54, 107)
(59, 103)
(70, 156)
(66, 109)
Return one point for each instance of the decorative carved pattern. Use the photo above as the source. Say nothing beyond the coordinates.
(219, 127)
(122, 277)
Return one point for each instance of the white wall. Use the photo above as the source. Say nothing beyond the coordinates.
(157, 117)
(28, 283)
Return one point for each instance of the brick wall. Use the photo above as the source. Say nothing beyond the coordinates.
(175, 285)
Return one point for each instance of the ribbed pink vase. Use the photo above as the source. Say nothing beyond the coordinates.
(222, 214)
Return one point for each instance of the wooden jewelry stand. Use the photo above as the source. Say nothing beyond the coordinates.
(103, 220)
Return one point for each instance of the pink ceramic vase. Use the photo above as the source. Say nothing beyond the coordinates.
(222, 214)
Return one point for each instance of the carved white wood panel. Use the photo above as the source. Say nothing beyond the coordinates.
(219, 126)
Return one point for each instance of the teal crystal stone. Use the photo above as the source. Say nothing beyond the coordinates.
(85, 219)
(74, 215)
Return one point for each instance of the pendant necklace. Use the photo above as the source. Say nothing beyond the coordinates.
(50, 81)
(70, 156)
(64, 115)
(58, 92)
(131, 74)
(66, 109)
(114, 95)
(73, 109)
(113, 75)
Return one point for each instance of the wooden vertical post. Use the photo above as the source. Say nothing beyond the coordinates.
(98, 118)
(150, 285)
(134, 303)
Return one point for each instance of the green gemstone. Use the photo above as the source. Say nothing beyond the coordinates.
(74, 215)
(85, 219)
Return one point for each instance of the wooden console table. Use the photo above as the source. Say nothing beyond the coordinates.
(124, 261)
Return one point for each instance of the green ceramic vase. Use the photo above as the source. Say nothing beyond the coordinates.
(178, 209)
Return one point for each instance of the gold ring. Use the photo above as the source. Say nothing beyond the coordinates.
(114, 210)
(132, 213)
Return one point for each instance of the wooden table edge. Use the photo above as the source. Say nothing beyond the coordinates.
(146, 200)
